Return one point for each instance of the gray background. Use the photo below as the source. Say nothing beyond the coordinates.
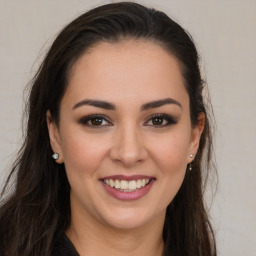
(225, 32)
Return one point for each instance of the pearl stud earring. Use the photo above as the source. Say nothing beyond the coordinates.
(190, 166)
(55, 156)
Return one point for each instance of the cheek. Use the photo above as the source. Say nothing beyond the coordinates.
(82, 153)
(172, 163)
(171, 152)
(170, 157)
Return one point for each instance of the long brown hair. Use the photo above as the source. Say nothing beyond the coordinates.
(38, 210)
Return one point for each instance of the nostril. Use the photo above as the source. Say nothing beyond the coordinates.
(128, 147)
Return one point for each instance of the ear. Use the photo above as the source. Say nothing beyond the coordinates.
(196, 133)
(54, 136)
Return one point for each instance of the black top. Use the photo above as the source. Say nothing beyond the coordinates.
(64, 247)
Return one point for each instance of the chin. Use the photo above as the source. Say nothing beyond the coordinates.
(128, 219)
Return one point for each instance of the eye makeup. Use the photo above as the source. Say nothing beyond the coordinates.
(95, 121)
(156, 120)
(160, 120)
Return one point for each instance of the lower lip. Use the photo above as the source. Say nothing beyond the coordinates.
(128, 196)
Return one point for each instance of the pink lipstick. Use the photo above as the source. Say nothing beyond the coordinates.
(127, 187)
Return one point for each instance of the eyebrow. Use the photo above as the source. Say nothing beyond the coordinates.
(111, 106)
(160, 103)
(95, 103)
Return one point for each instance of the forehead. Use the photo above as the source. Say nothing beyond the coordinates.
(125, 69)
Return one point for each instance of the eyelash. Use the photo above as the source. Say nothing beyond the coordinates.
(85, 120)
(168, 119)
(164, 118)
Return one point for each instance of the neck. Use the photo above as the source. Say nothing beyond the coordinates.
(93, 238)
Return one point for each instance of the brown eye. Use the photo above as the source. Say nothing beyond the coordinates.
(157, 121)
(96, 121)
(160, 120)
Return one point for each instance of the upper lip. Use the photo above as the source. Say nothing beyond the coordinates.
(128, 178)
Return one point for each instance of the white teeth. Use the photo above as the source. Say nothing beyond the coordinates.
(132, 185)
(117, 184)
(126, 186)
(138, 184)
(111, 183)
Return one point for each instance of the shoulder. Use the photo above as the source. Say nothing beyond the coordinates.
(63, 247)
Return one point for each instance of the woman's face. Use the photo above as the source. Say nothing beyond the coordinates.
(124, 134)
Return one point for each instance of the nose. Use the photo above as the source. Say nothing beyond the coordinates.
(128, 147)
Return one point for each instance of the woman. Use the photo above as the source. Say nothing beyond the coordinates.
(118, 104)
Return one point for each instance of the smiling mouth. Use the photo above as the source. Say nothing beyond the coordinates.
(127, 186)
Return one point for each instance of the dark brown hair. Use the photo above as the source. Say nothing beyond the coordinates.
(38, 210)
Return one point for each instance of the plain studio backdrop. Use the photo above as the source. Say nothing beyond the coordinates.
(225, 34)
